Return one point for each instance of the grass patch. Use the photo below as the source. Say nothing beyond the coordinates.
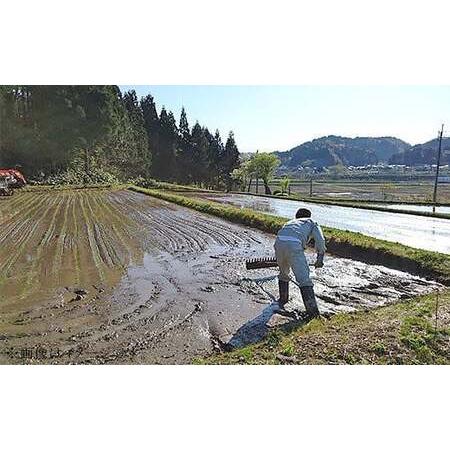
(379, 348)
(403, 333)
(342, 243)
(154, 184)
(288, 348)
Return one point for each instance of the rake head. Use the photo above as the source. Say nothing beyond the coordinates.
(260, 263)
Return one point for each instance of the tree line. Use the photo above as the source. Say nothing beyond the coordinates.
(98, 130)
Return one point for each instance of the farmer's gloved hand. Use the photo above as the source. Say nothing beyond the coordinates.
(319, 261)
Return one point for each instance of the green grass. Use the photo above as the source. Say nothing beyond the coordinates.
(403, 333)
(339, 242)
(154, 184)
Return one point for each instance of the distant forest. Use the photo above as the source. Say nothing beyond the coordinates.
(96, 132)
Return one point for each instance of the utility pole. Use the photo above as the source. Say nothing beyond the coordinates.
(310, 187)
(437, 168)
(249, 184)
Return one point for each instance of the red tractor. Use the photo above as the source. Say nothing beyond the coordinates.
(9, 179)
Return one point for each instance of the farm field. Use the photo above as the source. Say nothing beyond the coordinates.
(400, 191)
(114, 276)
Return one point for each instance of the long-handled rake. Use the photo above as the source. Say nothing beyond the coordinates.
(262, 263)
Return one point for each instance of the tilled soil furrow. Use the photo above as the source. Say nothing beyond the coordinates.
(147, 221)
(107, 252)
(42, 246)
(118, 242)
(211, 233)
(12, 228)
(14, 206)
(24, 211)
(211, 230)
(23, 235)
(100, 235)
(76, 248)
(88, 227)
(61, 237)
(185, 235)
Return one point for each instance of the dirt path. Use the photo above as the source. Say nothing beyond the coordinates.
(93, 276)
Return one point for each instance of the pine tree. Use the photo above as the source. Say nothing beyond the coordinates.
(229, 161)
(185, 156)
(165, 163)
(122, 154)
(215, 151)
(151, 121)
(139, 153)
(200, 146)
(89, 118)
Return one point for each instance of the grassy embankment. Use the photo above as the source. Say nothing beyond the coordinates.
(177, 187)
(403, 333)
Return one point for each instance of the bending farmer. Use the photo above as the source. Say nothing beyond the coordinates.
(290, 252)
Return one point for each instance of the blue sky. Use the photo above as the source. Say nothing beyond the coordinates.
(269, 118)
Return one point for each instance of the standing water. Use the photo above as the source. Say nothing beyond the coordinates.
(419, 208)
(426, 233)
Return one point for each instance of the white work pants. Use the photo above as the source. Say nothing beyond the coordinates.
(290, 255)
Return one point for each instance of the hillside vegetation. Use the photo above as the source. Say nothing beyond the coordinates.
(423, 154)
(335, 150)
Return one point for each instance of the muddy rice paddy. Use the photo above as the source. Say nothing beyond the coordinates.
(104, 276)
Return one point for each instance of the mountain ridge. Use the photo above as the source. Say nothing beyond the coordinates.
(423, 154)
(334, 150)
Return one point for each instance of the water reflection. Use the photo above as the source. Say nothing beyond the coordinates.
(415, 231)
(420, 208)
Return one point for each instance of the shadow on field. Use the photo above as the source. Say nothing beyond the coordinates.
(256, 329)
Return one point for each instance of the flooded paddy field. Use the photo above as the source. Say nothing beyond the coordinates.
(419, 208)
(428, 233)
(110, 276)
(401, 191)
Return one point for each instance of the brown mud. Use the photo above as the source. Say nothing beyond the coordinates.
(103, 276)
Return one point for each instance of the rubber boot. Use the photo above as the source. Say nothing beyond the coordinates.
(283, 287)
(309, 299)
